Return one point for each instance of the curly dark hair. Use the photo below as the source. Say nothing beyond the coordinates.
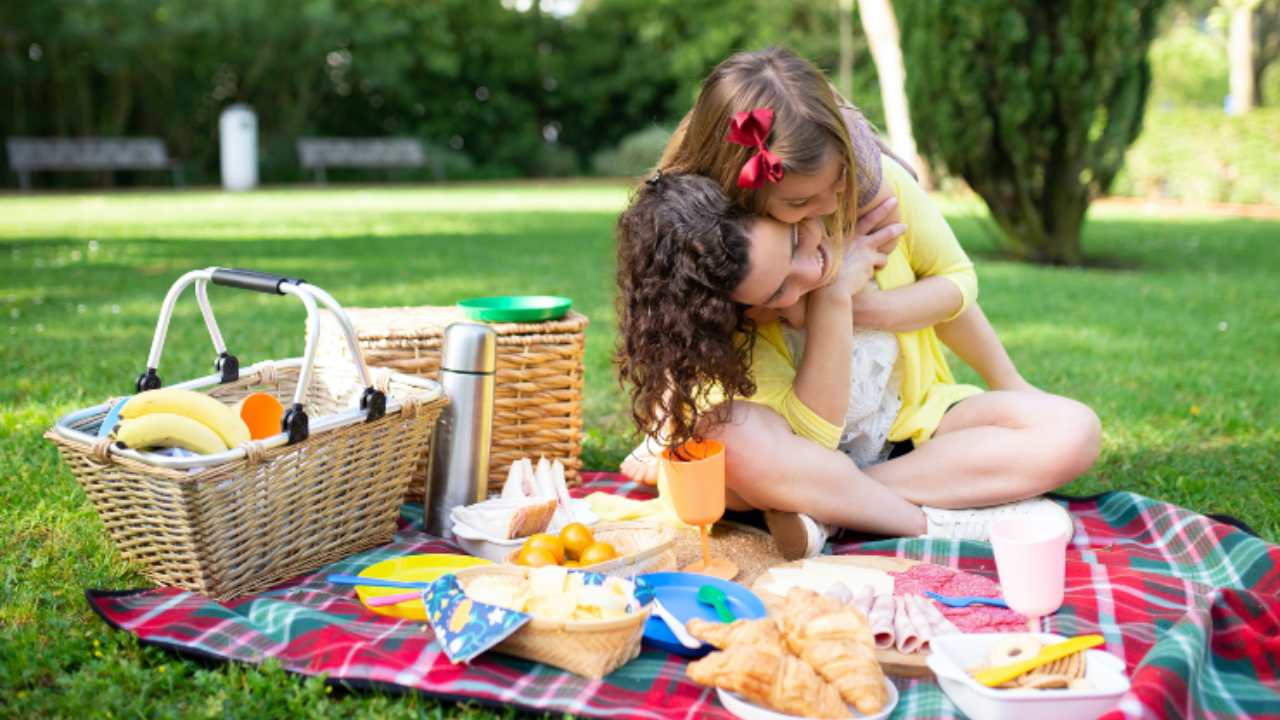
(682, 249)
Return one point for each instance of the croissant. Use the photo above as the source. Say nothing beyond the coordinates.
(770, 676)
(836, 641)
(739, 632)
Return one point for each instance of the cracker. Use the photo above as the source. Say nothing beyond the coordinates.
(1048, 682)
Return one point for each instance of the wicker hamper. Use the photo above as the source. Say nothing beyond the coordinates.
(537, 393)
(252, 516)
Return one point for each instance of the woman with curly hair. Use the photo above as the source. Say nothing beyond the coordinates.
(737, 320)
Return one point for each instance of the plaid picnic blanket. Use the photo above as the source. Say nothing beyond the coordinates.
(1191, 605)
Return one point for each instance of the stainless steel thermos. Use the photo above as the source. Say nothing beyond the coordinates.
(458, 473)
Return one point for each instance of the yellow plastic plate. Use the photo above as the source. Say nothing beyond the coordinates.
(411, 568)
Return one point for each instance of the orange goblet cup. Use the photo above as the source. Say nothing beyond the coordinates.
(695, 483)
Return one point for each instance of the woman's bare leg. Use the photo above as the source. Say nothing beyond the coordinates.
(997, 447)
(769, 468)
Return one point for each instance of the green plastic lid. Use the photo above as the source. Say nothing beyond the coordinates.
(516, 308)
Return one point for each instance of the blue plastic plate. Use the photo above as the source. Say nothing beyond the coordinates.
(679, 594)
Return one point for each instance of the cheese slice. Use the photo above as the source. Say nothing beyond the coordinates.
(819, 576)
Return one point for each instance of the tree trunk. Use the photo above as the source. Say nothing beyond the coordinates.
(881, 27)
(1240, 57)
(844, 74)
(1266, 46)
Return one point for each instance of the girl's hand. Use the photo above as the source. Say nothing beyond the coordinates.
(879, 216)
(866, 253)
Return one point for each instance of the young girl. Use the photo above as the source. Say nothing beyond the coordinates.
(779, 414)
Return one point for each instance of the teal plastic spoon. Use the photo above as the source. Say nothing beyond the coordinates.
(714, 596)
(375, 582)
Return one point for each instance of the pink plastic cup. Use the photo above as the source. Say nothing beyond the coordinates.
(1031, 559)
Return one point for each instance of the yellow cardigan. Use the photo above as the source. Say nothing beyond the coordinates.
(928, 249)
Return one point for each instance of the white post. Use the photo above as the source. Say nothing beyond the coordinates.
(238, 144)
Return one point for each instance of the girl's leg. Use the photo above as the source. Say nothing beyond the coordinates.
(769, 468)
(997, 447)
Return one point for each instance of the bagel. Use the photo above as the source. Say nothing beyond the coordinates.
(1013, 649)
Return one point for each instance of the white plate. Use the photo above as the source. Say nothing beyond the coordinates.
(748, 710)
(490, 547)
(953, 653)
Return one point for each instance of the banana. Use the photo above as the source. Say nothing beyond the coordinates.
(168, 430)
(219, 418)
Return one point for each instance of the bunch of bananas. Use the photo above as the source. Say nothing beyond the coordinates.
(179, 418)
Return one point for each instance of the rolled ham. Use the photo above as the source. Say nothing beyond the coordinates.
(907, 638)
(839, 591)
(919, 621)
(863, 598)
(939, 625)
(881, 621)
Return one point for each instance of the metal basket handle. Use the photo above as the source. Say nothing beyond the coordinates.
(295, 423)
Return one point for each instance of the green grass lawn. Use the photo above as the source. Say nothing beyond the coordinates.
(1172, 339)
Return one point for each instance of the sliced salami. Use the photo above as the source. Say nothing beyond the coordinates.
(975, 618)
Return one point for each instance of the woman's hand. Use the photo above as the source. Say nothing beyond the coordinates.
(642, 464)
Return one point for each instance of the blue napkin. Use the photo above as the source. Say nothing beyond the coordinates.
(463, 627)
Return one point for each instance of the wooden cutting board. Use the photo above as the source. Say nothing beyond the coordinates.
(893, 662)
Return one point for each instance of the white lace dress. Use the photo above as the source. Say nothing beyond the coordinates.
(875, 396)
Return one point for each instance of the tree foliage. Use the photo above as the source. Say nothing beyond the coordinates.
(1032, 103)
(517, 92)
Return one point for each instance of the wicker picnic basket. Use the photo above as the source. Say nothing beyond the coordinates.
(537, 391)
(591, 648)
(250, 517)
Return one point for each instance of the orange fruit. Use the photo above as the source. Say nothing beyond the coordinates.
(535, 557)
(575, 537)
(597, 553)
(571, 563)
(548, 542)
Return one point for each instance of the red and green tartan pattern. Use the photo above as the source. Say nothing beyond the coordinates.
(1191, 605)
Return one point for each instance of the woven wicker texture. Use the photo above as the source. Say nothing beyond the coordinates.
(538, 389)
(246, 525)
(592, 649)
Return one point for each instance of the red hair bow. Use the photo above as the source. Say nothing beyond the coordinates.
(752, 129)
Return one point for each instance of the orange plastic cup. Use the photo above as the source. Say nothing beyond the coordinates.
(696, 485)
(262, 413)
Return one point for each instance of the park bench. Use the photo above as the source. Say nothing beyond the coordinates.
(27, 154)
(319, 153)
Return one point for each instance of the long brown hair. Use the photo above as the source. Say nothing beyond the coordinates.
(807, 126)
(682, 250)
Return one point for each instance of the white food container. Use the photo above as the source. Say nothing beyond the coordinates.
(952, 654)
(478, 544)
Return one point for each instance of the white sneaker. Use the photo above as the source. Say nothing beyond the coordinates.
(975, 523)
(797, 535)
